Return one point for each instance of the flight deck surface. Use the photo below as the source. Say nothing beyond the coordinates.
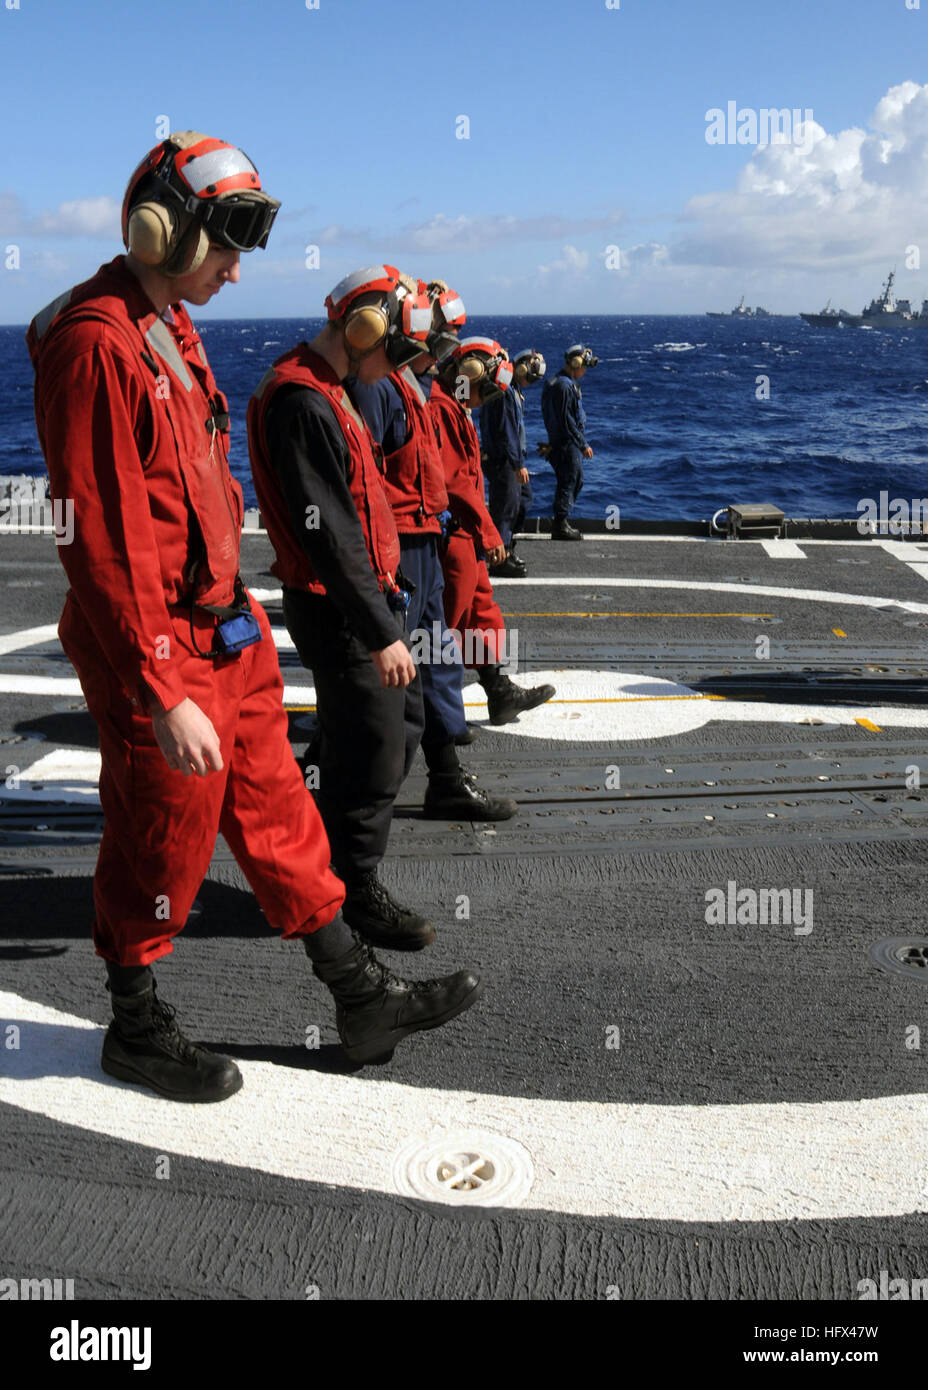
(663, 1092)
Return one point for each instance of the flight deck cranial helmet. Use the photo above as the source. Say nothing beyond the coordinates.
(580, 356)
(380, 307)
(479, 362)
(528, 367)
(448, 318)
(189, 192)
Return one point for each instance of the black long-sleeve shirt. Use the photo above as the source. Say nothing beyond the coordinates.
(310, 456)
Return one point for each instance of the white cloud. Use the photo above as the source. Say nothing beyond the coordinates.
(82, 217)
(92, 217)
(570, 262)
(832, 201)
(464, 233)
(646, 253)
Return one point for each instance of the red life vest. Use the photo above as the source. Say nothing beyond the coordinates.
(301, 366)
(190, 421)
(460, 456)
(414, 476)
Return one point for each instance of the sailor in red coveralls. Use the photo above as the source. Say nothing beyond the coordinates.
(313, 459)
(397, 415)
(176, 662)
(476, 371)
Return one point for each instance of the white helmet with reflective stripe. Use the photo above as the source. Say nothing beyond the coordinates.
(190, 191)
(379, 306)
(580, 356)
(480, 362)
(529, 366)
(448, 317)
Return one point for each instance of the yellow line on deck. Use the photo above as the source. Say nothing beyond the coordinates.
(839, 632)
(869, 724)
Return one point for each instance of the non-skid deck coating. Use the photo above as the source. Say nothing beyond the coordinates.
(707, 1109)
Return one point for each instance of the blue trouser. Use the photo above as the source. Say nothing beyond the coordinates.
(567, 462)
(509, 499)
(442, 681)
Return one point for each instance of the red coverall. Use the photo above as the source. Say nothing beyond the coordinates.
(469, 602)
(132, 428)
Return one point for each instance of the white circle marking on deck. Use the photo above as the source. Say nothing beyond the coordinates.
(754, 1162)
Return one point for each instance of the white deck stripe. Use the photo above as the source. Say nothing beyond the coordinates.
(29, 637)
(589, 707)
(914, 557)
(764, 1162)
(783, 550)
(39, 685)
(769, 591)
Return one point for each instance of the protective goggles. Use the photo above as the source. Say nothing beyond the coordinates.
(241, 221)
(243, 224)
(530, 366)
(585, 355)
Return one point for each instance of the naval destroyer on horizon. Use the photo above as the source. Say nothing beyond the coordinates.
(885, 311)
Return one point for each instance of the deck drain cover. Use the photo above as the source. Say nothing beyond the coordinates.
(903, 955)
(467, 1168)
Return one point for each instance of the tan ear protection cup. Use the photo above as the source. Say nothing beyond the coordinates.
(190, 252)
(366, 327)
(155, 239)
(150, 233)
(469, 367)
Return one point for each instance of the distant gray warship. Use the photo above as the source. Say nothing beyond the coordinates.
(740, 312)
(883, 312)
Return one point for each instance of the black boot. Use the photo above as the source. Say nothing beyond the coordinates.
(516, 559)
(510, 568)
(563, 531)
(376, 1010)
(506, 700)
(454, 796)
(373, 914)
(143, 1044)
(473, 733)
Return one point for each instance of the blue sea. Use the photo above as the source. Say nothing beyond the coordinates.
(672, 409)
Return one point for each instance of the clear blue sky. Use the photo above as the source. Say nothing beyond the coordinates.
(587, 129)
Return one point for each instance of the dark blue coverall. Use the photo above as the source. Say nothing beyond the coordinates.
(502, 434)
(565, 421)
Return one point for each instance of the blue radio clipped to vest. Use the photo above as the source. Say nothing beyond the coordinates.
(239, 627)
(236, 633)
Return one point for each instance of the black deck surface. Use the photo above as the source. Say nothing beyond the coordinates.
(586, 913)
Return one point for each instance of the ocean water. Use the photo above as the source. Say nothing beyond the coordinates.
(672, 409)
